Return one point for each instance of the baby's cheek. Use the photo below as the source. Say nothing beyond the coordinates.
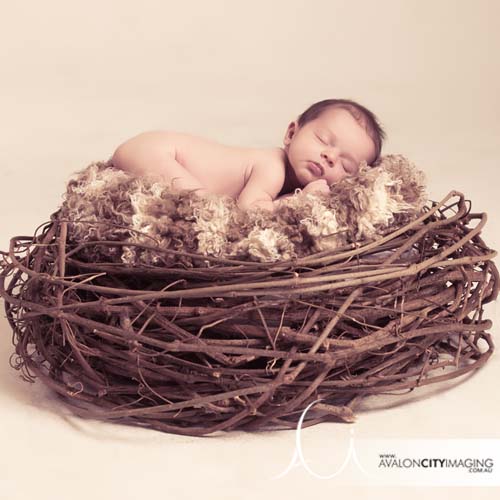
(335, 176)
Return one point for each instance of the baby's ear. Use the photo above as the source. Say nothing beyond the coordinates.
(290, 132)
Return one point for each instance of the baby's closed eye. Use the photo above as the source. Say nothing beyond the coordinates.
(321, 139)
(350, 168)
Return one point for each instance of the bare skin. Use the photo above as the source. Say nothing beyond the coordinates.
(334, 141)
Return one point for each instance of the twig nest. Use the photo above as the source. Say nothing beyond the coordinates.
(149, 307)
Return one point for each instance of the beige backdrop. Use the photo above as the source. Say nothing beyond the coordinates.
(78, 78)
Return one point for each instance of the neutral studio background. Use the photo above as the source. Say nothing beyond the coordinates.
(77, 78)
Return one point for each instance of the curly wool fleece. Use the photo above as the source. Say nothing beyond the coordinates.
(104, 203)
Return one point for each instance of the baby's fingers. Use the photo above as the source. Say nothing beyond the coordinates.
(318, 182)
(319, 185)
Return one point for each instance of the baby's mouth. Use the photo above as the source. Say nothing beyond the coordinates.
(318, 168)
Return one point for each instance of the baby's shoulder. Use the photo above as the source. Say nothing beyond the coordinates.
(270, 159)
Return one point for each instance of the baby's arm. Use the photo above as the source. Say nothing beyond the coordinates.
(317, 186)
(262, 187)
(152, 154)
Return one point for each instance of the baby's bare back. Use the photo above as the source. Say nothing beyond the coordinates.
(203, 163)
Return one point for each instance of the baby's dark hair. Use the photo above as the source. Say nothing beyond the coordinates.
(361, 114)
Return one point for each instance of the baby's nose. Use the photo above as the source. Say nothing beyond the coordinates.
(330, 157)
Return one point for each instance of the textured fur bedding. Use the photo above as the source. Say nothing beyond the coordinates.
(105, 203)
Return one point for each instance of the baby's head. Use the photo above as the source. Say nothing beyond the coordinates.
(329, 140)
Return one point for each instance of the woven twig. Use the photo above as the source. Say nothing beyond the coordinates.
(246, 345)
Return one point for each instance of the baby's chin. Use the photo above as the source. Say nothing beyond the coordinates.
(305, 176)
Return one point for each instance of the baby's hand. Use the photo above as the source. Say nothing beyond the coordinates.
(318, 186)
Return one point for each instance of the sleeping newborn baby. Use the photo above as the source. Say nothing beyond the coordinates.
(327, 142)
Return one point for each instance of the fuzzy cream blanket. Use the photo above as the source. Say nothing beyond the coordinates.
(104, 203)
